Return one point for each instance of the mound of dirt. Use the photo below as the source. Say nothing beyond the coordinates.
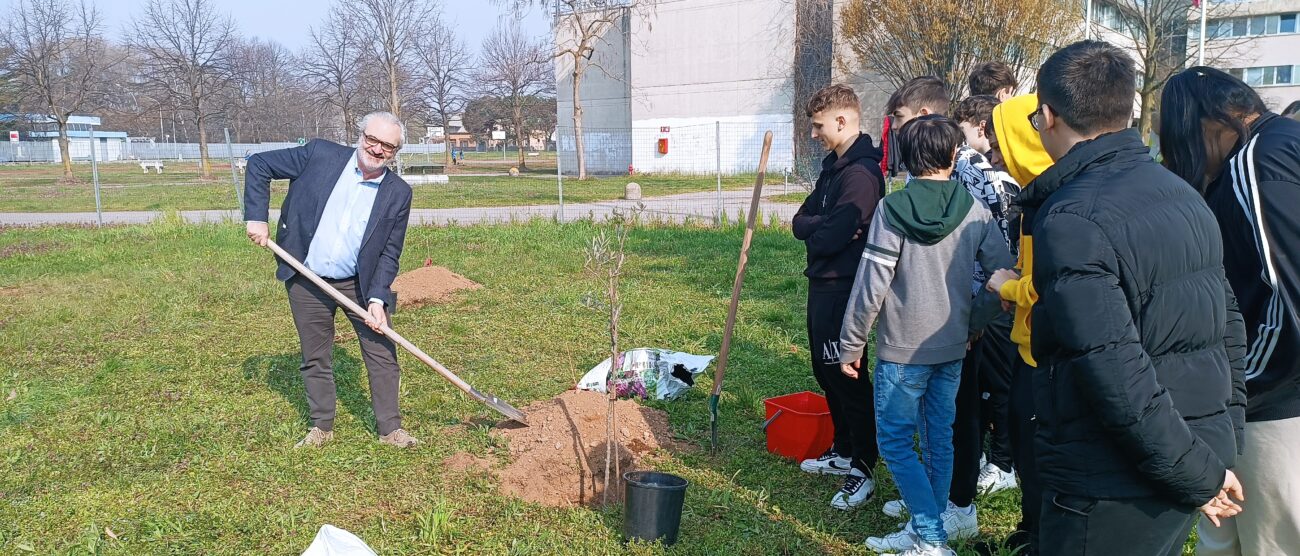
(560, 459)
(429, 284)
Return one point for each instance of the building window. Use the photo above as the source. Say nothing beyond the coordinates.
(1265, 76)
(1252, 26)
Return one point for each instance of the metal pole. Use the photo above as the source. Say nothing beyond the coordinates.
(1087, 23)
(1200, 54)
(559, 174)
(94, 176)
(717, 150)
(234, 178)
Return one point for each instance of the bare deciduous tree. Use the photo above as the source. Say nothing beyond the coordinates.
(268, 101)
(332, 64)
(187, 50)
(517, 69)
(445, 66)
(902, 39)
(394, 27)
(56, 55)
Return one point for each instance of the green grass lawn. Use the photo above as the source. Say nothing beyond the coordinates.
(149, 385)
(35, 188)
(795, 198)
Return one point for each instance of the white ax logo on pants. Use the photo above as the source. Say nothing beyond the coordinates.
(831, 352)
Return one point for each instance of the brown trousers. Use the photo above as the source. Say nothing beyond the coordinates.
(313, 316)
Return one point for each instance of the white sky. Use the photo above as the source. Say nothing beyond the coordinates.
(287, 21)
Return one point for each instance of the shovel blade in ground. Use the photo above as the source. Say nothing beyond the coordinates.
(500, 406)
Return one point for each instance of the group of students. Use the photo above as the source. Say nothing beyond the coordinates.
(1121, 332)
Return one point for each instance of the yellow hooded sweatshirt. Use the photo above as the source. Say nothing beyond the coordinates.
(1022, 150)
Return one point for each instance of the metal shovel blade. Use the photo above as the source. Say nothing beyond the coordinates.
(504, 408)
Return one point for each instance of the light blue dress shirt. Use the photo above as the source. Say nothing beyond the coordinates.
(334, 249)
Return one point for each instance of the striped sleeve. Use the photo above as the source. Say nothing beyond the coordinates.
(1269, 207)
(870, 286)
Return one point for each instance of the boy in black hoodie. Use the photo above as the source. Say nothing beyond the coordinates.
(832, 223)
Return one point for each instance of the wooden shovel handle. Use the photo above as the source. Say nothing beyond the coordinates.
(740, 269)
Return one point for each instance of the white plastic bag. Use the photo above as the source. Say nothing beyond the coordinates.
(649, 372)
(332, 541)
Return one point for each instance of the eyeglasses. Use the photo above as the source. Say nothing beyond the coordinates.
(371, 141)
(1033, 122)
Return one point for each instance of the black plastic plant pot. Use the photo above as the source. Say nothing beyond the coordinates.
(653, 507)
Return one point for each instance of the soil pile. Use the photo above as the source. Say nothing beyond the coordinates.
(429, 284)
(560, 459)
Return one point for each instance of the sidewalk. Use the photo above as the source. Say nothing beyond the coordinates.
(675, 208)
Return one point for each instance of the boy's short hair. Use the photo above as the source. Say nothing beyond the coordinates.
(832, 97)
(921, 92)
(976, 109)
(1090, 85)
(988, 77)
(926, 144)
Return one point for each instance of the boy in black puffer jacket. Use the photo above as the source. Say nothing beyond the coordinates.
(1134, 326)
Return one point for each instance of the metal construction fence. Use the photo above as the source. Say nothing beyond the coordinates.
(700, 173)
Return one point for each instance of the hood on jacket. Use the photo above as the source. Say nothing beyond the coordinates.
(1021, 147)
(862, 149)
(926, 211)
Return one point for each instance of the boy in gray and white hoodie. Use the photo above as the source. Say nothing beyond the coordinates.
(915, 274)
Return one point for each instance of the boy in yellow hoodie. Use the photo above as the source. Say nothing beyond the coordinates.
(1018, 146)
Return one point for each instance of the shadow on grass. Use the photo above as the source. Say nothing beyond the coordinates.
(281, 374)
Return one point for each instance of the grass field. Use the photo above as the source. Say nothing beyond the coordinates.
(36, 188)
(149, 386)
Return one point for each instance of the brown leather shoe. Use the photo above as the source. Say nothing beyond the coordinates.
(399, 438)
(315, 438)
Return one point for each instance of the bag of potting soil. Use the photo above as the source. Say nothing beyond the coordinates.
(647, 372)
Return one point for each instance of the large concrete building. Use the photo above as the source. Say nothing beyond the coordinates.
(1259, 42)
(686, 72)
(706, 77)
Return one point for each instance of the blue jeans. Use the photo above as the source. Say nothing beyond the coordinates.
(920, 400)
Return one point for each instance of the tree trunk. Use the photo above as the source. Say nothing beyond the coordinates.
(394, 102)
(64, 151)
(347, 124)
(577, 121)
(1148, 96)
(446, 141)
(519, 136)
(204, 164)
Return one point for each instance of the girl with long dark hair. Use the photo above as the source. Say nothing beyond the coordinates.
(1216, 133)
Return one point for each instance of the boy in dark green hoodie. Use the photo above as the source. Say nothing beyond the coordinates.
(922, 248)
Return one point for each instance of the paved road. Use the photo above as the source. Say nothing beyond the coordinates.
(675, 208)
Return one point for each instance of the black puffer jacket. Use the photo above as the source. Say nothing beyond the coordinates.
(840, 205)
(1135, 328)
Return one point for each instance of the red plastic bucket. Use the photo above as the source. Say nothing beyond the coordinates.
(798, 425)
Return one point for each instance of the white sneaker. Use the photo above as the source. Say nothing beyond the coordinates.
(898, 541)
(829, 463)
(895, 508)
(923, 548)
(961, 523)
(857, 490)
(994, 479)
